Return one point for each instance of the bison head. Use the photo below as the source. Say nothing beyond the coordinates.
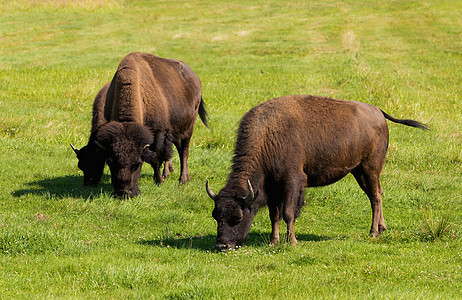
(91, 162)
(233, 214)
(125, 146)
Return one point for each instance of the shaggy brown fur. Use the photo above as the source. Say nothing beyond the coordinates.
(125, 142)
(287, 144)
(162, 95)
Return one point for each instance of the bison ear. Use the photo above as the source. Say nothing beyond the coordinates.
(100, 145)
(148, 155)
(107, 134)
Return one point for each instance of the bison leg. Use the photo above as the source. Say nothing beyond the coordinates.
(274, 217)
(183, 151)
(168, 167)
(157, 174)
(290, 221)
(294, 189)
(370, 184)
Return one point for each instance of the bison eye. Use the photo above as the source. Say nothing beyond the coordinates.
(234, 221)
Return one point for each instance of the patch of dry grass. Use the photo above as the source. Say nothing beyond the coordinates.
(61, 4)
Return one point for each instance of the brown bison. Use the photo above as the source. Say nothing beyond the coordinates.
(287, 144)
(150, 103)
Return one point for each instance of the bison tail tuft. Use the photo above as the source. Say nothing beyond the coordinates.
(203, 113)
(411, 123)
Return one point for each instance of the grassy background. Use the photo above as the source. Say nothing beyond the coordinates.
(60, 239)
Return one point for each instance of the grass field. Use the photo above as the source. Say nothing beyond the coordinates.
(60, 239)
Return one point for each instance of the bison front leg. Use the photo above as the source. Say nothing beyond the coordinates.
(157, 174)
(289, 218)
(293, 200)
(274, 217)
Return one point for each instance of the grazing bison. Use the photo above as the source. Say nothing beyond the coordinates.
(91, 157)
(150, 103)
(287, 144)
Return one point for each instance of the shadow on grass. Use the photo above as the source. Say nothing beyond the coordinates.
(203, 242)
(207, 242)
(67, 186)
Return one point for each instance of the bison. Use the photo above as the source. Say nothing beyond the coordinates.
(91, 157)
(150, 103)
(287, 144)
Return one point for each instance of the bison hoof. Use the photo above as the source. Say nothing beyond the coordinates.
(292, 241)
(375, 233)
(274, 242)
(382, 228)
(185, 179)
(168, 168)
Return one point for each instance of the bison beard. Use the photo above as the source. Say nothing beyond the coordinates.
(287, 144)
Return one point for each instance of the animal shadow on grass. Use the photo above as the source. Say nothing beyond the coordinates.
(66, 186)
(207, 242)
(262, 239)
(202, 242)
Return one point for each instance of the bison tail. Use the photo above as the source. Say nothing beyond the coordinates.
(203, 113)
(411, 123)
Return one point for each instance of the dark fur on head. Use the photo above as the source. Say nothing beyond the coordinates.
(91, 162)
(116, 134)
(125, 144)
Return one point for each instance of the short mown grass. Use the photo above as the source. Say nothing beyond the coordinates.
(60, 239)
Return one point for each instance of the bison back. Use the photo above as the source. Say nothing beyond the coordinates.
(154, 91)
(325, 138)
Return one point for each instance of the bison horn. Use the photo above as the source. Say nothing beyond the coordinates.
(100, 145)
(209, 191)
(250, 197)
(75, 149)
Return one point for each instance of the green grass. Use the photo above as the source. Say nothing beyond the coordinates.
(60, 239)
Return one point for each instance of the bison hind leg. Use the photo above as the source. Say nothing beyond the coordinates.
(168, 168)
(368, 180)
(163, 147)
(183, 151)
